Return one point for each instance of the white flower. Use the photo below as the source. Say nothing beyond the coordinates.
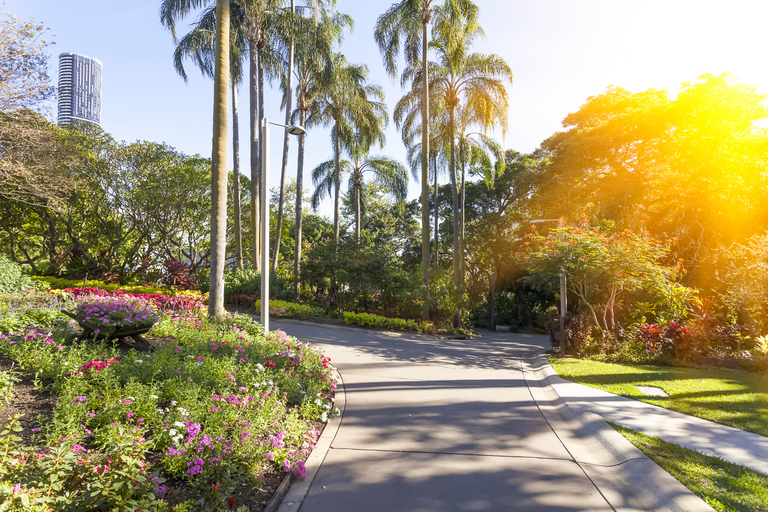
(154, 396)
(324, 418)
(178, 424)
(174, 402)
(178, 438)
(259, 367)
(173, 432)
(190, 357)
(139, 361)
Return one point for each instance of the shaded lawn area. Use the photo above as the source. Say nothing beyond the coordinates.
(732, 397)
(723, 485)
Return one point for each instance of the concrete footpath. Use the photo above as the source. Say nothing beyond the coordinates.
(731, 444)
(439, 425)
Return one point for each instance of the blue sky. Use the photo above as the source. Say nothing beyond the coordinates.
(560, 51)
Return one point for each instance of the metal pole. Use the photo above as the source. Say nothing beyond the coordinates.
(563, 308)
(265, 224)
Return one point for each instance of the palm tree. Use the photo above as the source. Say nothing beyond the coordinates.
(170, 12)
(480, 80)
(407, 119)
(475, 149)
(299, 29)
(352, 106)
(388, 172)
(314, 67)
(411, 18)
(219, 164)
(198, 46)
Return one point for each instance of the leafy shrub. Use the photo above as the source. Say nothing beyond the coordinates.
(33, 308)
(245, 280)
(69, 477)
(286, 309)
(378, 321)
(177, 274)
(11, 277)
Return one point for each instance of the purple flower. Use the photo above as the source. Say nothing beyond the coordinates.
(286, 466)
(277, 441)
(269, 456)
(194, 470)
(174, 451)
(193, 429)
(301, 470)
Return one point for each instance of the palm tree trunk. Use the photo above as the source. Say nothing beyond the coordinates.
(236, 179)
(281, 202)
(255, 157)
(492, 299)
(426, 16)
(437, 219)
(457, 278)
(299, 216)
(357, 213)
(336, 182)
(219, 164)
(463, 203)
(265, 193)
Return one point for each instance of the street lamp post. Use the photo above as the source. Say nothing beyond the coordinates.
(293, 130)
(563, 294)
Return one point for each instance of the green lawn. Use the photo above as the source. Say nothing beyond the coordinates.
(724, 486)
(731, 397)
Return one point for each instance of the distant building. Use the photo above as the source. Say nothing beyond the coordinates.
(79, 89)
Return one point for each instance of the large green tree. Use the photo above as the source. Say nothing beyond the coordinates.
(692, 167)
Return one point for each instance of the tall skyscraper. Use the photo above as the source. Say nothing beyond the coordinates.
(79, 89)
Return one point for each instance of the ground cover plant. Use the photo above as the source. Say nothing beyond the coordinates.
(731, 397)
(196, 424)
(724, 486)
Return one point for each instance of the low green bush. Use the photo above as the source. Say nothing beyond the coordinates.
(292, 310)
(11, 277)
(378, 321)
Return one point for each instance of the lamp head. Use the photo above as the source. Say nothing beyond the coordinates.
(295, 130)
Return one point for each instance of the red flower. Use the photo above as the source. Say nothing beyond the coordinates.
(231, 502)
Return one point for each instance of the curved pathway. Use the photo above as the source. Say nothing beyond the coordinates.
(442, 425)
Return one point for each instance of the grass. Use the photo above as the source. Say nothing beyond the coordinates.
(730, 397)
(723, 485)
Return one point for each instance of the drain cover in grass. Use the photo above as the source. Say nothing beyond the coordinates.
(651, 391)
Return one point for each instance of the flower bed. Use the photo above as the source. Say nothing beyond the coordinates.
(213, 406)
(114, 314)
(164, 302)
